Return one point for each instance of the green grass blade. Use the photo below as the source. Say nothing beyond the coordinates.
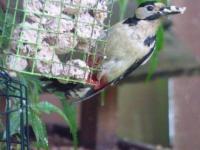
(70, 113)
(39, 130)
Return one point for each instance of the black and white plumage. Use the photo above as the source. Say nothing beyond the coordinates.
(130, 43)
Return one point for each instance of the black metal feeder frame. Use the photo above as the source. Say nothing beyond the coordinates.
(13, 114)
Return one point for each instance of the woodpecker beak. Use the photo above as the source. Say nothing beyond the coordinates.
(172, 10)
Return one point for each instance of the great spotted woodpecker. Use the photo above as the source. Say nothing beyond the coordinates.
(130, 43)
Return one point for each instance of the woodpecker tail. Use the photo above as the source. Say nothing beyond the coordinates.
(79, 93)
(76, 92)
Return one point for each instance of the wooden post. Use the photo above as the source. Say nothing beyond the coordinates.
(88, 122)
(2, 110)
(107, 121)
(3, 4)
(98, 123)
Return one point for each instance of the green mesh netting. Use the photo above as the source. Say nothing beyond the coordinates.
(54, 38)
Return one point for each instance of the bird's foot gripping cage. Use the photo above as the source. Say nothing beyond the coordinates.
(55, 38)
(13, 114)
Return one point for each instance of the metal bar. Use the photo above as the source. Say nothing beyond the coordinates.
(19, 92)
(8, 141)
(27, 127)
(22, 120)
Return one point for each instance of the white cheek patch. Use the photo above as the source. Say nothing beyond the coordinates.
(143, 13)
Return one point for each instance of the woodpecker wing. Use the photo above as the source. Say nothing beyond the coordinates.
(90, 93)
(77, 92)
(135, 66)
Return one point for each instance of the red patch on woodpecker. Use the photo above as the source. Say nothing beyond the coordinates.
(93, 80)
(102, 83)
(94, 61)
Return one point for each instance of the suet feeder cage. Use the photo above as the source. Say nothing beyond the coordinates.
(13, 114)
(55, 38)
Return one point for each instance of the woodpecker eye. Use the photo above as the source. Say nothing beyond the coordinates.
(150, 8)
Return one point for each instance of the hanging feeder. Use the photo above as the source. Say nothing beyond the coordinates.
(55, 38)
(13, 114)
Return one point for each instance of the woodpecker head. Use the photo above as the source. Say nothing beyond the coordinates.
(152, 10)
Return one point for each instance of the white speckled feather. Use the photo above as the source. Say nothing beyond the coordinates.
(123, 39)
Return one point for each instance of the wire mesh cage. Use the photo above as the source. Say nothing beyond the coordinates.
(55, 38)
(13, 114)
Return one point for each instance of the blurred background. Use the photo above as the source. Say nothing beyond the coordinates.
(161, 112)
(156, 108)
